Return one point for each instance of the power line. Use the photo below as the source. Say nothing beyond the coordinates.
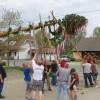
(91, 11)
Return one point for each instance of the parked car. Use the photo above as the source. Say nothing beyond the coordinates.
(67, 58)
(71, 58)
(64, 57)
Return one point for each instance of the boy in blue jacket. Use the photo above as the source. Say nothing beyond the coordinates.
(27, 78)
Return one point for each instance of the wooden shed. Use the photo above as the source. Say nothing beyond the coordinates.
(87, 45)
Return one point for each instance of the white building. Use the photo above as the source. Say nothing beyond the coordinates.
(19, 48)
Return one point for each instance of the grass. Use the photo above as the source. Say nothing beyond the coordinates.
(12, 67)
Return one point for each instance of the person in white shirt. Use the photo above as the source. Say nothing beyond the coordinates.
(87, 73)
(38, 68)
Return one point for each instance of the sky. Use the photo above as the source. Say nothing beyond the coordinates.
(31, 9)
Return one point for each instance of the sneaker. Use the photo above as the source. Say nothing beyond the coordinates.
(49, 89)
(91, 85)
(2, 96)
(86, 86)
(96, 86)
(75, 96)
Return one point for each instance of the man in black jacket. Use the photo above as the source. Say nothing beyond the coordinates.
(2, 76)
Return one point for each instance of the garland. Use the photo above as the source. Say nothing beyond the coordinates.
(72, 23)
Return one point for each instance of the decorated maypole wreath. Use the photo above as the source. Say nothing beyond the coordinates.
(69, 25)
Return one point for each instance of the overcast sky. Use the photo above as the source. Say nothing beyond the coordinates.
(32, 8)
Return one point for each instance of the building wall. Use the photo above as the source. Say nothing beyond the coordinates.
(97, 53)
(83, 53)
(77, 55)
(47, 56)
(23, 52)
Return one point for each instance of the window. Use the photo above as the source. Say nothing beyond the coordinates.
(11, 43)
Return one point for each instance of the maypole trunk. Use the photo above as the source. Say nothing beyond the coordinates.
(44, 46)
(55, 22)
(42, 36)
(30, 45)
(34, 36)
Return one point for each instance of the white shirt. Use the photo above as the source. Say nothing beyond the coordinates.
(86, 67)
(38, 71)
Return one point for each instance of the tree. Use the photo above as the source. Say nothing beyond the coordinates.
(39, 39)
(96, 32)
(69, 45)
(80, 35)
(9, 20)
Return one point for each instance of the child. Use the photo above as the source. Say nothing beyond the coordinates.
(74, 83)
(27, 79)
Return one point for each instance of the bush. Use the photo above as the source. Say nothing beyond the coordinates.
(16, 67)
(19, 68)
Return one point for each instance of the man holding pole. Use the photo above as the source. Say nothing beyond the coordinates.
(38, 68)
(47, 70)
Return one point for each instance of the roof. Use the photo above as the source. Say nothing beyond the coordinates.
(89, 44)
(19, 39)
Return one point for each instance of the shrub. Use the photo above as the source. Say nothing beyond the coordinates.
(16, 67)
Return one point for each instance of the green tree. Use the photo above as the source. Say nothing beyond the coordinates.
(9, 19)
(80, 35)
(96, 32)
(73, 41)
(38, 36)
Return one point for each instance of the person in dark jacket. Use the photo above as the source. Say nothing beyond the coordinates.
(54, 68)
(3, 75)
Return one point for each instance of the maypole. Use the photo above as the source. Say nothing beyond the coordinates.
(42, 36)
(55, 22)
(44, 46)
(56, 55)
(72, 23)
(30, 45)
(34, 37)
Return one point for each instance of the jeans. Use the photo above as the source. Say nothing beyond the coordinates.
(87, 76)
(1, 87)
(62, 85)
(46, 76)
(53, 78)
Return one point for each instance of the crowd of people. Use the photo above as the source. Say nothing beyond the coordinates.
(61, 77)
(65, 78)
